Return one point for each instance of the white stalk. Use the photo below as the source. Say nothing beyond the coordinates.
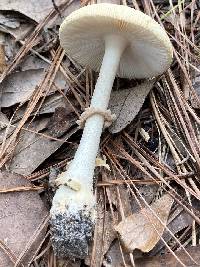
(81, 170)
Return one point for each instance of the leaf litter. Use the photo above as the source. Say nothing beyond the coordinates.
(143, 230)
(154, 151)
(121, 104)
(19, 86)
(21, 215)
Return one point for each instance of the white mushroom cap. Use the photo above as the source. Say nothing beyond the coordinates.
(148, 52)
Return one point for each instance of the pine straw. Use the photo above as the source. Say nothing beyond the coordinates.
(168, 114)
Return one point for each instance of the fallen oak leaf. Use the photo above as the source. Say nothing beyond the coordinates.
(143, 230)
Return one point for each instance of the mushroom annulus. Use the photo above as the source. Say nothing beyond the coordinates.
(113, 40)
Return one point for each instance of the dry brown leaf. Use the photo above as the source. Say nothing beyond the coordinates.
(178, 223)
(52, 102)
(168, 260)
(19, 33)
(32, 62)
(21, 214)
(125, 104)
(62, 119)
(49, 105)
(138, 230)
(33, 149)
(36, 10)
(4, 130)
(19, 86)
(75, 4)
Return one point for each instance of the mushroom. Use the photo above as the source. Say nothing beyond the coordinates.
(116, 41)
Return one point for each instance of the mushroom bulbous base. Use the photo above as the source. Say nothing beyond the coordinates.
(71, 234)
(73, 215)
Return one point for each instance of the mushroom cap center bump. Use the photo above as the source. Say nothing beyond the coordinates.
(148, 52)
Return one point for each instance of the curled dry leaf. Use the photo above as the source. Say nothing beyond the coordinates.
(52, 102)
(19, 33)
(21, 213)
(15, 25)
(138, 230)
(125, 104)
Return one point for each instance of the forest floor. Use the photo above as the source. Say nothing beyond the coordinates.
(147, 178)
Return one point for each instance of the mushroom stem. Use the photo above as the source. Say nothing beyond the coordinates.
(81, 169)
(73, 208)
